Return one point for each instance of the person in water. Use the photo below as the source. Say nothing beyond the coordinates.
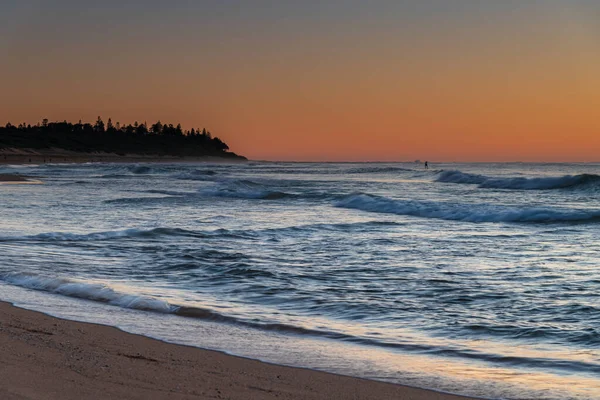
(426, 165)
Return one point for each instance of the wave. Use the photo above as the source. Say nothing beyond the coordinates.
(107, 235)
(139, 169)
(129, 234)
(243, 189)
(18, 166)
(460, 177)
(89, 291)
(518, 183)
(169, 196)
(103, 293)
(198, 175)
(466, 212)
(122, 171)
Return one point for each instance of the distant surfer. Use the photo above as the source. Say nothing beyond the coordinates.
(426, 165)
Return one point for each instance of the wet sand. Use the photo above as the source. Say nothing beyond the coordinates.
(12, 178)
(50, 358)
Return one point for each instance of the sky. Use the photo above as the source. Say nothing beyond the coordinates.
(445, 80)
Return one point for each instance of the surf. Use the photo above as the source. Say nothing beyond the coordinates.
(518, 183)
(464, 212)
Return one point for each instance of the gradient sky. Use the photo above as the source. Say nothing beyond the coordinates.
(447, 80)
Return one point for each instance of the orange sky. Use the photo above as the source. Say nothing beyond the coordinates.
(472, 82)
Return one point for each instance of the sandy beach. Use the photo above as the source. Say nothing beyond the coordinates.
(50, 358)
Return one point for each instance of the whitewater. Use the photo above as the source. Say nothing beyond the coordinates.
(477, 279)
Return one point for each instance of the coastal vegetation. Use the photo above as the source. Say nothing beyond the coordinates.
(139, 138)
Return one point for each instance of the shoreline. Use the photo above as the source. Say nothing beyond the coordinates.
(16, 179)
(12, 178)
(58, 156)
(46, 357)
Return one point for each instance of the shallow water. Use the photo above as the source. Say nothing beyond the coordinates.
(478, 279)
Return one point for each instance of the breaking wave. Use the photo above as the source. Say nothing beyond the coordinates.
(89, 291)
(466, 212)
(518, 183)
(103, 293)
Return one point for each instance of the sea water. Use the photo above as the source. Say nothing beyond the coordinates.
(478, 279)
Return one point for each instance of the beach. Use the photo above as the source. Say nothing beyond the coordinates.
(300, 200)
(50, 358)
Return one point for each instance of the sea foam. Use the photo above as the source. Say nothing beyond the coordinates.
(90, 291)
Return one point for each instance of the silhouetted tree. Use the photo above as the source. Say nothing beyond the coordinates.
(99, 127)
(85, 137)
(141, 129)
(110, 128)
(157, 127)
(219, 144)
(88, 129)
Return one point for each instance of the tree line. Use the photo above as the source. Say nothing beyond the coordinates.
(137, 138)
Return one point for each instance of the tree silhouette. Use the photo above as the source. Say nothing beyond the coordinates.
(141, 129)
(110, 127)
(166, 139)
(157, 128)
(99, 127)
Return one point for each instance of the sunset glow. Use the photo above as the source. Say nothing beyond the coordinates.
(340, 80)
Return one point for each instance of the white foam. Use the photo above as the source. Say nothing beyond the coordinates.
(90, 291)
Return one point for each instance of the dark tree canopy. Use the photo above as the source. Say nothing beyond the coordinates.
(158, 139)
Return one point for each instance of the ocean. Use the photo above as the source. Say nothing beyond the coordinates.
(477, 279)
